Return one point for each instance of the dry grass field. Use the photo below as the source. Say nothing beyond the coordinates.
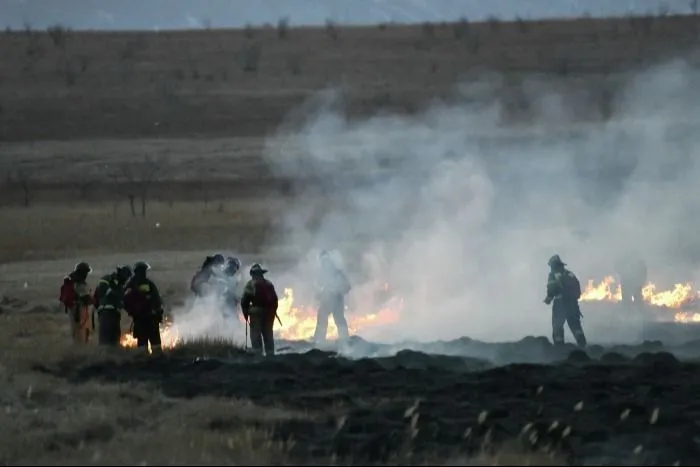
(91, 120)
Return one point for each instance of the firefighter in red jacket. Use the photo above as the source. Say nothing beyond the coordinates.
(259, 305)
(142, 301)
(76, 298)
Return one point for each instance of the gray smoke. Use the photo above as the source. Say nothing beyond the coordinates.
(459, 213)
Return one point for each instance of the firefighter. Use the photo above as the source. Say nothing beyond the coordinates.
(563, 291)
(259, 306)
(632, 272)
(109, 301)
(142, 301)
(201, 281)
(333, 286)
(77, 299)
(231, 279)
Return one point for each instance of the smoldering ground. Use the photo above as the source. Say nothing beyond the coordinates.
(460, 213)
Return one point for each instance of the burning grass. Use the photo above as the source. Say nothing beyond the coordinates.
(678, 303)
(298, 321)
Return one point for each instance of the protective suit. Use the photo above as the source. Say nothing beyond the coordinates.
(259, 306)
(76, 298)
(333, 286)
(563, 292)
(109, 302)
(143, 302)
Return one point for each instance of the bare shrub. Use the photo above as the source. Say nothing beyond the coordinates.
(294, 64)
(136, 178)
(251, 58)
(283, 28)
(58, 35)
(248, 31)
(461, 28)
(332, 30)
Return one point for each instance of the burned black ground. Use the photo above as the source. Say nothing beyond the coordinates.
(624, 406)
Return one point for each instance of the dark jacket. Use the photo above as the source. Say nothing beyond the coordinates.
(200, 278)
(109, 293)
(259, 297)
(142, 298)
(563, 285)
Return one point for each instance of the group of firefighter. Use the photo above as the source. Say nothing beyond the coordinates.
(129, 289)
(126, 288)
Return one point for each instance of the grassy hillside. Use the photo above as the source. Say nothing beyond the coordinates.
(58, 84)
(180, 118)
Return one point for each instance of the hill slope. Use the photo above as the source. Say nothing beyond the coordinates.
(243, 82)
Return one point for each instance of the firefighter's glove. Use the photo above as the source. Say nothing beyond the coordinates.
(548, 300)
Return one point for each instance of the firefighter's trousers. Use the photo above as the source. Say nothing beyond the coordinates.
(567, 313)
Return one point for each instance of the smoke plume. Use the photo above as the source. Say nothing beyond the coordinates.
(459, 213)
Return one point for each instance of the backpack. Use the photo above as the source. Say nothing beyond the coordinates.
(68, 295)
(571, 286)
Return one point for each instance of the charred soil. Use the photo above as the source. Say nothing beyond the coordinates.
(612, 410)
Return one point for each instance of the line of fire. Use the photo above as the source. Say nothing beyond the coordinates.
(679, 304)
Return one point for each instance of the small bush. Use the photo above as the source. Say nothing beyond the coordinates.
(332, 30)
(294, 64)
(283, 28)
(58, 35)
(460, 28)
(248, 31)
(522, 24)
(251, 58)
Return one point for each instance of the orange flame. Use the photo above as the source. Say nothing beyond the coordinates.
(169, 338)
(602, 291)
(680, 296)
(299, 322)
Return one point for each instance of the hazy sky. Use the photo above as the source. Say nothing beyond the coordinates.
(148, 14)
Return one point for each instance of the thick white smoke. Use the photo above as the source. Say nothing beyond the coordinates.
(460, 213)
(211, 316)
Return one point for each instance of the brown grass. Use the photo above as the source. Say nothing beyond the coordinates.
(203, 116)
(202, 102)
(242, 82)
